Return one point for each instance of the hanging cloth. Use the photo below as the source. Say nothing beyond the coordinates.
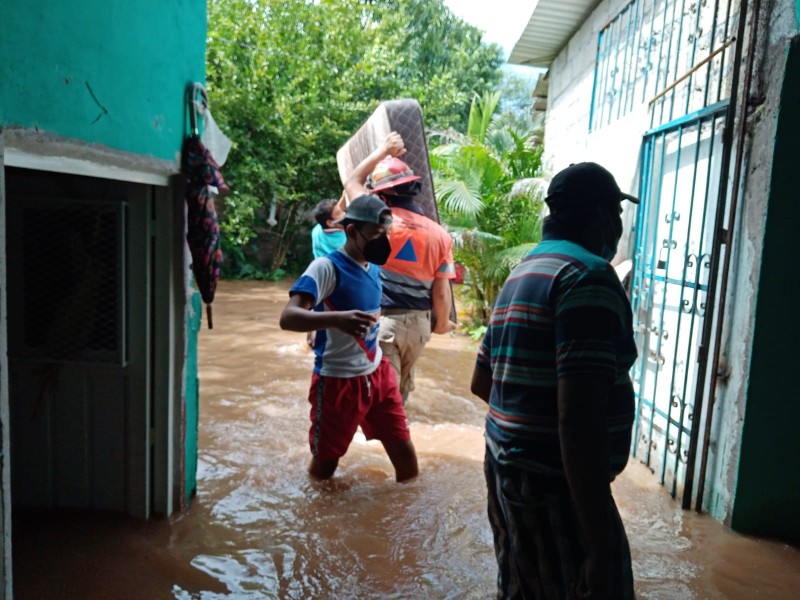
(203, 184)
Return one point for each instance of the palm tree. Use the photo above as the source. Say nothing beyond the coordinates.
(487, 181)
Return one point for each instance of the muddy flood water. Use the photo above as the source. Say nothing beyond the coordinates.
(259, 528)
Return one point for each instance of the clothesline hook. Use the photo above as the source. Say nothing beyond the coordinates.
(193, 104)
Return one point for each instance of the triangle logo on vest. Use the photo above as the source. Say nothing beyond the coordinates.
(407, 252)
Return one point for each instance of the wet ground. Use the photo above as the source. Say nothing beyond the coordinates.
(259, 528)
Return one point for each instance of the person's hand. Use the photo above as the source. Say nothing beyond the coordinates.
(447, 328)
(593, 580)
(355, 322)
(393, 144)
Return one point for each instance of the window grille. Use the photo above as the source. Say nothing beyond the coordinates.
(674, 56)
(71, 257)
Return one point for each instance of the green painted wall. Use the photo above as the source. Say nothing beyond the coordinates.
(768, 485)
(111, 72)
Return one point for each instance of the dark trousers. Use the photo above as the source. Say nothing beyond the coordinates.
(537, 537)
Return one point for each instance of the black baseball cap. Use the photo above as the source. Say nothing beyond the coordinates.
(582, 185)
(369, 209)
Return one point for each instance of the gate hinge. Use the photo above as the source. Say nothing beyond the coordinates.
(723, 373)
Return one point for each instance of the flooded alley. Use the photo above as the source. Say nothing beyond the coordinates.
(259, 528)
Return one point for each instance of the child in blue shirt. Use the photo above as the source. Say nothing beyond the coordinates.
(326, 235)
(339, 296)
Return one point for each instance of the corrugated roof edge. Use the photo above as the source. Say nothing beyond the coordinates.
(552, 24)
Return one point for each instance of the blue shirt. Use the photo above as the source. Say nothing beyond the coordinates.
(325, 241)
(337, 282)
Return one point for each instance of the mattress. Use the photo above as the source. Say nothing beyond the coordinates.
(405, 117)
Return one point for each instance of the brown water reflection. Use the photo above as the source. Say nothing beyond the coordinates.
(259, 528)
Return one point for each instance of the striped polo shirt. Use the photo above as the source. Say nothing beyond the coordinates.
(561, 312)
(421, 251)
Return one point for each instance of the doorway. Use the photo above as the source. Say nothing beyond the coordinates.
(681, 170)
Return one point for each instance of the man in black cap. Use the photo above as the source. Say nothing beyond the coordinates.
(553, 368)
(339, 297)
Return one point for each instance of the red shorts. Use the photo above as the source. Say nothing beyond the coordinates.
(340, 404)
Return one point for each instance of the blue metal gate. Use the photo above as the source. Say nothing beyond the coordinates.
(681, 170)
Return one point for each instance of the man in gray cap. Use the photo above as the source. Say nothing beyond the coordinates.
(339, 297)
(553, 368)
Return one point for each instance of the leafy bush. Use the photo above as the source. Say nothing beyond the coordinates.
(490, 195)
(291, 80)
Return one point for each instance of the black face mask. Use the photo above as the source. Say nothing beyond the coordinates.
(377, 250)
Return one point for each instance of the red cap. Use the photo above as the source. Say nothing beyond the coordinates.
(391, 171)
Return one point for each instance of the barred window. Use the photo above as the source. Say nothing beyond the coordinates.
(673, 56)
(72, 275)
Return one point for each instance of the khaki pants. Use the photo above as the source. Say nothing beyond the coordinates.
(403, 335)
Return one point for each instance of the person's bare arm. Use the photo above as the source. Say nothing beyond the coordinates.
(343, 201)
(298, 315)
(354, 185)
(481, 384)
(442, 300)
(583, 435)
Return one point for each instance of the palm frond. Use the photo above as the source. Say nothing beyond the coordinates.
(480, 115)
(491, 197)
(500, 139)
(445, 136)
(530, 228)
(477, 236)
(459, 198)
(479, 165)
(511, 257)
(532, 187)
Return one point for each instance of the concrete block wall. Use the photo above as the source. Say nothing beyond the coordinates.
(567, 137)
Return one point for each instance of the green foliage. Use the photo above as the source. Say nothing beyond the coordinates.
(477, 333)
(291, 80)
(517, 96)
(480, 119)
(490, 195)
(433, 56)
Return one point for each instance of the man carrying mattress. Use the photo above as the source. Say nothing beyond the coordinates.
(416, 291)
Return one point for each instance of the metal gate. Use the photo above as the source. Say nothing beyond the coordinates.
(681, 170)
